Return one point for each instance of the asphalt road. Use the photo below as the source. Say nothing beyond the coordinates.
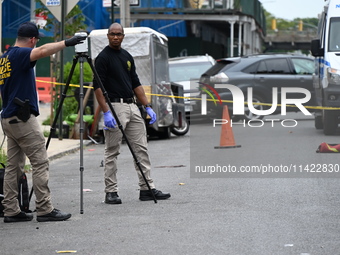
(226, 214)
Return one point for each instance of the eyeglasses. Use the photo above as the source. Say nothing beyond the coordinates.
(114, 34)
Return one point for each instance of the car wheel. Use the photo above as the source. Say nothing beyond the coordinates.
(318, 122)
(330, 122)
(179, 131)
(248, 115)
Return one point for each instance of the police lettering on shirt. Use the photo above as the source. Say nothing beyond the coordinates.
(5, 69)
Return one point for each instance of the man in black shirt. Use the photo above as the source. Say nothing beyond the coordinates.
(116, 69)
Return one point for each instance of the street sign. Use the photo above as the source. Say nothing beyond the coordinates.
(52, 2)
(54, 6)
(108, 3)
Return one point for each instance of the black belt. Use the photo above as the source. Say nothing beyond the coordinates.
(123, 100)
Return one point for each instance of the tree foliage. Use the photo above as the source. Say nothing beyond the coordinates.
(75, 79)
(309, 24)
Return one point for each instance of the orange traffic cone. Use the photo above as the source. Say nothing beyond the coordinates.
(227, 136)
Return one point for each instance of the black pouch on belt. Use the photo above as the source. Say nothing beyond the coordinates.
(24, 112)
(143, 111)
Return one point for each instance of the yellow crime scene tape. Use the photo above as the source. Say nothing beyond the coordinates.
(197, 98)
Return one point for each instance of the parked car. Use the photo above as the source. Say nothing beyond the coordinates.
(262, 72)
(186, 71)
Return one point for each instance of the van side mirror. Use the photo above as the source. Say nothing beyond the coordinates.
(315, 48)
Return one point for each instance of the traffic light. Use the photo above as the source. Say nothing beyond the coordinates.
(300, 25)
(274, 24)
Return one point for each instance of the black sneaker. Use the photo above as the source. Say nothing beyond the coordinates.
(146, 195)
(22, 216)
(112, 198)
(55, 215)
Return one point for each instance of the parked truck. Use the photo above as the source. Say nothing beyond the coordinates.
(150, 52)
(326, 50)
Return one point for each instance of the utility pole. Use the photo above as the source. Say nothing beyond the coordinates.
(33, 11)
(125, 13)
(62, 36)
(112, 12)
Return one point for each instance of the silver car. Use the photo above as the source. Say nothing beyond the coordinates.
(186, 71)
(262, 72)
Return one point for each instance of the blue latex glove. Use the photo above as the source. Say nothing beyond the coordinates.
(109, 120)
(152, 115)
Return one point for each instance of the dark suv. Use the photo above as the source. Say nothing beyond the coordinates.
(262, 72)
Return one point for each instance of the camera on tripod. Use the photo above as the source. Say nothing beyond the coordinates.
(82, 47)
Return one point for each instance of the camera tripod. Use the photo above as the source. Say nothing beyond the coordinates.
(81, 57)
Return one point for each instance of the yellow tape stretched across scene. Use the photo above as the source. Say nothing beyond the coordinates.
(197, 98)
(63, 84)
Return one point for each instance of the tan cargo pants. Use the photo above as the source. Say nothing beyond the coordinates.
(134, 128)
(25, 138)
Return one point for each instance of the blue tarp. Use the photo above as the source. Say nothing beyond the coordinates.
(97, 17)
(15, 12)
(172, 28)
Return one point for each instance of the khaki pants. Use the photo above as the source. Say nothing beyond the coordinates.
(134, 128)
(25, 138)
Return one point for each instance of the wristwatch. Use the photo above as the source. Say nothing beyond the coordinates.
(148, 105)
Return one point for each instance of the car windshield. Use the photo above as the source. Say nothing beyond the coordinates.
(186, 71)
(220, 65)
(334, 35)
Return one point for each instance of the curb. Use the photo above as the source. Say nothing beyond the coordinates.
(69, 151)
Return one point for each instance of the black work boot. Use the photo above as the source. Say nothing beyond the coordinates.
(55, 215)
(22, 216)
(112, 198)
(146, 195)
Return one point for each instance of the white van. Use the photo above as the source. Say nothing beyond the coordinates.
(326, 80)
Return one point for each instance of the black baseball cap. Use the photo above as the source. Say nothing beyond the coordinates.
(29, 29)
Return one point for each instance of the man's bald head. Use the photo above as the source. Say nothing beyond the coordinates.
(116, 26)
